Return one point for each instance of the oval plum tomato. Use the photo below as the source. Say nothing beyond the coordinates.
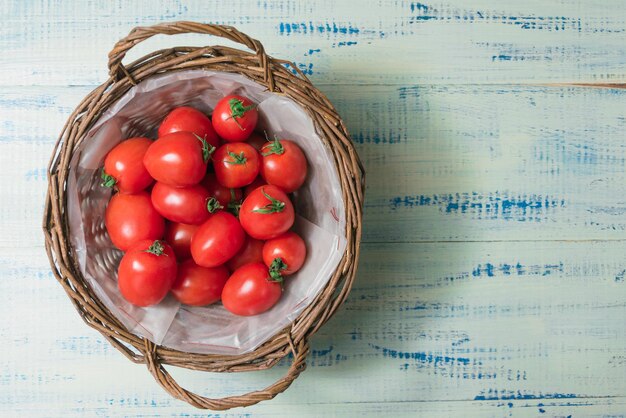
(258, 182)
(178, 236)
(189, 205)
(284, 254)
(250, 291)
(146, 272)
(199, 286)
(130, 218)
(178, 159)
(234, 118)
(217, 240)
(236, 165)
(283, 164)
(257, 141)
(123, 166)
(251, 252)
(266, 213)
(224, 195)
(188, 119)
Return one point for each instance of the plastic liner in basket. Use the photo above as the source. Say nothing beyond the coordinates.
(211, 329)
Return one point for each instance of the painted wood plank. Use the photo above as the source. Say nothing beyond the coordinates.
(392, 41)
(425, 322)
(444, 163)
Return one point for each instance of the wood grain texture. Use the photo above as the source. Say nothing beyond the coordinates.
(492, 278)
(394, 41)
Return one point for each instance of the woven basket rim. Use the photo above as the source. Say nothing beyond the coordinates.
(278, 76)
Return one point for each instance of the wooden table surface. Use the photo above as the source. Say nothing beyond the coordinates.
(492, 280)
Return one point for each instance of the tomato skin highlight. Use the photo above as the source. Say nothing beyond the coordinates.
(176, 159)
(290, 248)
(236, 165)
(217, 240)
(266, 226)
(249, 292)
(234, 128)
(186, 205)
(130, 218)
(178, 236)
(250, 252)
(144, 278)
(125, 164)
(199, 286)
(223, 194)
(188, 119)
(287, 168)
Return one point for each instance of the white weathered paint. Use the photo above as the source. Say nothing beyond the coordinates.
(492, 280)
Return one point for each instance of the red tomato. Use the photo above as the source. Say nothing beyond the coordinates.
(146, 272)
(181, 204)
(178, 159)
(123, 166)
(284, 254)
(249, 290)
(178, 236)
(217, 240)
(199, 286)
(130, 218)
(283, 165)
(251, 252)
(257, 141)
(234, 118)
(236, 165)
(266, 213)
(191, 120)
(224, 195)
(258, 182)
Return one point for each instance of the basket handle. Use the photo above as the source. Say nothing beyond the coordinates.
(168, 383)
(141, 33)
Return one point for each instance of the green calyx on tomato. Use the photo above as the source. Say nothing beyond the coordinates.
(156, 248)
(213, 205)
(237, 110)
(107, 179)
(207, 149)
(273, 147)
(234, 205)
(274, 206)
(277, 266)
(238, 159)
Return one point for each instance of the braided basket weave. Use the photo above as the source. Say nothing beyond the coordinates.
(276, 75)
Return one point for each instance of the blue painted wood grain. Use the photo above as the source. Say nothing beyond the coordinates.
(491, 281)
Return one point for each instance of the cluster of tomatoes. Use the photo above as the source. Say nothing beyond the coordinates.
(204, 212)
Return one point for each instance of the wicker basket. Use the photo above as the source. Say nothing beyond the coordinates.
(278, 77)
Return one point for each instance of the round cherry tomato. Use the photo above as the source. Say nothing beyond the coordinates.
(258, 182)
(188, 119)
(266, 213)
(178, 236)
(123, 166)
(284, 254)
(236, 165)
(178, 159)
(234, 118)
(251, 252)
(199, 286)
(249, 290)
(257, 141)
(217, 240)
(224, 195)
(146, 272)
(130, 218)
(189, 205)
(283, 165)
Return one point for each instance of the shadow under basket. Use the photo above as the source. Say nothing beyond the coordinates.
(278, 78)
